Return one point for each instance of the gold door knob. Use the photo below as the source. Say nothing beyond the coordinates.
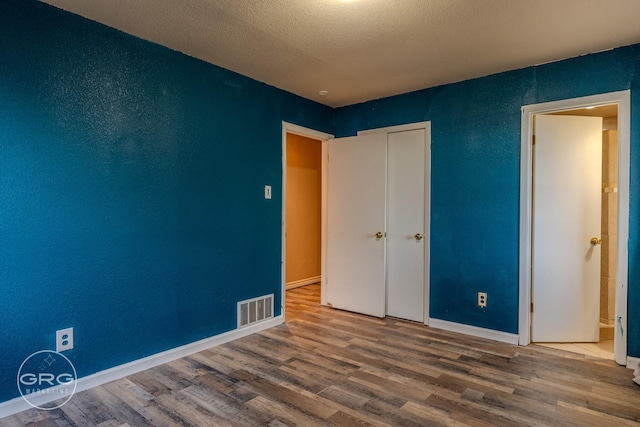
(596, 241)
(419, 236)
(379, 235)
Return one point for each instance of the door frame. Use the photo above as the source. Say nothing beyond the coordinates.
(623, 99)
(323, 138)
(427, 196)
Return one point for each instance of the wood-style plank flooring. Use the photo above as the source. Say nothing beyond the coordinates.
(329, 367)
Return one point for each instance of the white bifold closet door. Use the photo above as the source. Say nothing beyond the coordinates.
(376, 226)
(356, 222)
(405, 224)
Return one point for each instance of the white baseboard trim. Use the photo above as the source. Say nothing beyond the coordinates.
(632, 362)
(303, 282)
(474, 331)
(18, 404)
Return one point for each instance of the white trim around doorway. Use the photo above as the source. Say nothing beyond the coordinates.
(323, 138)
(623, 99)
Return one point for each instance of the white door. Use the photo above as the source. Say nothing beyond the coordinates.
(405, 224)
(566, 216)
(355, 214)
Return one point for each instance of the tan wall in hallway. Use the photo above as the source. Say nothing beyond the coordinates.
(304, 173)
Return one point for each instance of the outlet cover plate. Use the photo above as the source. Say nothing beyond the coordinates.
(64, 339)
(482, 299)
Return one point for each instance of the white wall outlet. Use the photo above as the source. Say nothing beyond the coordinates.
(482, 299)
(267, 191)
(64, 339)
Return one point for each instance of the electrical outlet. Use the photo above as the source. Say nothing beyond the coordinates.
(64, 339)
(482, 299)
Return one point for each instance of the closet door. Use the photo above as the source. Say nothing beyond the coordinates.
(356, 224)
(406, 224)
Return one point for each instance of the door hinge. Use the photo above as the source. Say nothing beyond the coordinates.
(532, 307)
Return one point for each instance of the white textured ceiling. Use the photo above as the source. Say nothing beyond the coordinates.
(359, 50)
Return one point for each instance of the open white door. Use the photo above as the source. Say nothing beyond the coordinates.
(356, 213)
(567, 180)
(406, 224)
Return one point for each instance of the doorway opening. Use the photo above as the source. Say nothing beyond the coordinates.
(602, 345)
(613, 262)
(303, 212)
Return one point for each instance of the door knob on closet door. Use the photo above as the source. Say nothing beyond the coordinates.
(379, 235)
(418, 236)
(596, 241)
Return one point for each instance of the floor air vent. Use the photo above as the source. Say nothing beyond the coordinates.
(255, 310)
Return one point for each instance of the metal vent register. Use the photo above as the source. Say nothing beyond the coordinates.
(255, 310)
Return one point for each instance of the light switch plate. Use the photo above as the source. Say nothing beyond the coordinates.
(267, 191)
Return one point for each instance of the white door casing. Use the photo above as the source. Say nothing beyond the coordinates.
(567, 181)
(356, 212)
(405, 224)
(623, 100)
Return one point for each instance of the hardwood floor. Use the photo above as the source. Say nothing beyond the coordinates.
(328, 367)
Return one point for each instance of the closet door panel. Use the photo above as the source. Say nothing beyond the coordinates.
(405, 275)
(356, 224)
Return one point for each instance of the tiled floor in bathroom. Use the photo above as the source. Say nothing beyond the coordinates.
(602, 349)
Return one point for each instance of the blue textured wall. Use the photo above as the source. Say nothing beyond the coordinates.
(131, 183)
(475, 172)
(131, 191)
